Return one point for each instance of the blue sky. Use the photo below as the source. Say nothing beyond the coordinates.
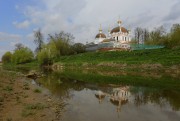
(19, 18)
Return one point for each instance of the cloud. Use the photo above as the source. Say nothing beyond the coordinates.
(29, 37)
(9, 37)
(174, 12)
(7, 42)
(22, 25)
(83, 17)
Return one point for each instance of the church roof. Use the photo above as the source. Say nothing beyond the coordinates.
(117, 29)
(100, 35)
(108, 40)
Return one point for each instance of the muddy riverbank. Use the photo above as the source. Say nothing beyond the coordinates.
(21, 99)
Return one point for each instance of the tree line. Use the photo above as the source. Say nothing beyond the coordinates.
(62, 44)
(59, 44)
(158, 36)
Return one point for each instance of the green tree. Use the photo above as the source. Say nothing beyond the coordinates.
(174, 40)
(79, 48)
(6, 58)
(157, 36)
(22, 55)
(47, 54)
(63, 42)
(38, 40)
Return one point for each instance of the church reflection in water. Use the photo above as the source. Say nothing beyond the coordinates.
(118, 96)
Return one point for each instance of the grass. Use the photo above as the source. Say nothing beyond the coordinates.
(30, 109)
(8, 88)
(9, 119)
(37, 90)
(37, 106)
(26, 86)
(160, 56)
(19, 67)
(26, 113)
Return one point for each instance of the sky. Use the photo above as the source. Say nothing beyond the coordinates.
(82, 18)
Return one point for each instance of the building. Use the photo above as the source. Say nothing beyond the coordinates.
(118, 38)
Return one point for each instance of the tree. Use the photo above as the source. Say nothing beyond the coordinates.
(79, 48)
(6, 58)
(63, 42)
(138, 35)
(47, 54)
(174, 37)
(157, 36)
(145, 35)
(23, 55)
(18, 46)
(38, 40)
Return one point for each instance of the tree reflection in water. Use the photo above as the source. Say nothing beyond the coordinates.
(64, 85)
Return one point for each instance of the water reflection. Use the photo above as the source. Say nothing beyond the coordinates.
(118, 97)
(100, 101)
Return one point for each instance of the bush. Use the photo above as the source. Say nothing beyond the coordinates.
(47, 54)
(6, 58)
(79, 48)
(43, 57)
(22, 55)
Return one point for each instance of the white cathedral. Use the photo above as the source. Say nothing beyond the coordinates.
(117, 38)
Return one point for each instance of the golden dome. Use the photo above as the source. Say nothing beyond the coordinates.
(100, 35)
(117, 29)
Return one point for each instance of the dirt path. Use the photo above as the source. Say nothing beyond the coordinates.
(22, 100)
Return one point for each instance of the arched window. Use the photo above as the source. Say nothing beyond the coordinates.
(117, 38)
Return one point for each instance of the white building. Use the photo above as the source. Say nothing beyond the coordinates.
(118, 38)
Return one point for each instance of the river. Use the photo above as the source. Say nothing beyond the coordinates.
(97, 97)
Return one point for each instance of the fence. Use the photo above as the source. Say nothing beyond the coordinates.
(142, 46)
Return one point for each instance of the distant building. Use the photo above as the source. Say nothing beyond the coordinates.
(117, 38)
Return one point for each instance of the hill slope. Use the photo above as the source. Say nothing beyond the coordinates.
(160, 56)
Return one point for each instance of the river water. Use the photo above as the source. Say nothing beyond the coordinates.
(99, 98)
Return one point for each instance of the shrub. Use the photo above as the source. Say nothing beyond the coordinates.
(6, 58)
(22, 55)
(37, 91)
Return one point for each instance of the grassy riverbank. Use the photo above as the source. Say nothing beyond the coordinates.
(135, 59)
(164, 57)
(34, 65)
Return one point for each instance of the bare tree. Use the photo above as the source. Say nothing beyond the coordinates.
(157, 34)
(19, 46)
(38, 40)
(145, 35)
(138, 34)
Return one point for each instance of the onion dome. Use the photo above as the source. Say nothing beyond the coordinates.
(100, 35)
(117, 29)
